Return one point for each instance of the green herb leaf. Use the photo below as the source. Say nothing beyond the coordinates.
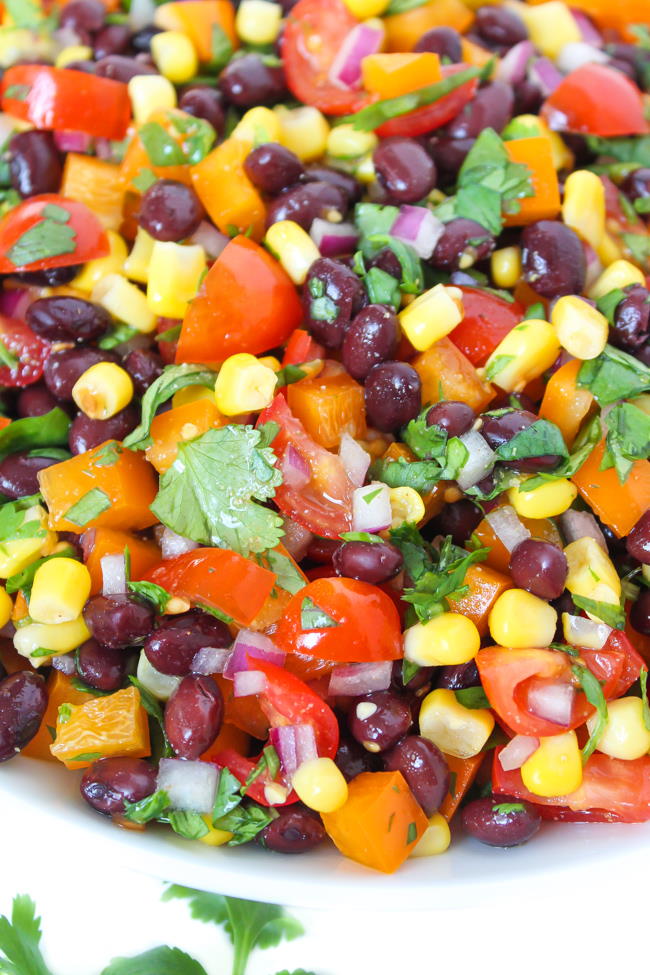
(312, 617)
(245, 822)
(147, 809)
(473, 698)
(109, 454)
(80, 685)
(609, 613)
(412, 277)
(89, 506)
(409, 670)
(187, 824)
(152, 593)
(14, 526)
(643, 681)
(614, 375)
(157, 961)
(608, 304)
(425, 441)
(639, 246)
(152, 706)
(159, 145)
(288, 576)
(51, 236)
(198, 136)
(583, 445)
(498, 363)
(361, 537)
(172, 379)
(411, 833)
(628, 439)
(49, 430)
(421, 475)
(401, 6)
(220, 48)
(594, 694)
(18, 92)
(86, 757)
(382, 288)
(633, 150)
(213, 611)
(291, 373)
(373, 219)
(541, 437)
(7, 358)
(20, 940)
(228, 795)
(117, 336)
(505, 808)
(23, 580)
(144, 179)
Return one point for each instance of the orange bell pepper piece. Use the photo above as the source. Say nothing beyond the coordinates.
(227, 193)
(404, 30)
(434, 500)
(143, 554)
(485, 587)
(112, 725)
(446, 373)
(617, 15)
(181, 423)
(97, 184)
(390, 75)
(463, 772)
(618, 505)
(243, 713)
(124, 478)
(474, 54)
(379, 824)
(535, 152)
(60, 690)
(564, 402)
(329, 407)
(197, 20)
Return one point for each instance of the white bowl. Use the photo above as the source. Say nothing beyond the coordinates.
(45, 800)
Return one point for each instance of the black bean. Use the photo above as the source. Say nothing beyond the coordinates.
(170, 211)
(19, 474)
(248, 81)
(331, 295)
(392, 395)
(272, 167)
(172, 645)
(462, 243)
(112, 39)
(62, 318)
(141, 42)
(34, 163)
(206, 103)
(118, 621)
(306, 201)
(553, 259)
(424, 767)
(539, 567)
(372, 562)
(453, 416)
(63, 368)
(120, 68)
(491, 107)
(84, 433)
(500, 822)
(106, 784)
(336, 177)
(449, 155)
(352, 759)
(631, 326)
(101, 667)
(51, 277)
(373, 337)
(500, 27)
(35, 401)
(405, 169)
(444, 41)
(640, 612)
(457, 677)
(499, 430)
(296, 830)
(143, 366)
(378, 720)
(638, 541)
(86, 15)
(23, 700)
(194, 715)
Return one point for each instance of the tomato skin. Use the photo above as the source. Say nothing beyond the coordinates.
(433, 116)
(301, 348)
(31, 350)
(562, 814)
(633, 662)
(487, 319)
(91, 240)
(598, 100)
(59, 98)
(369, 624)
(247, 303)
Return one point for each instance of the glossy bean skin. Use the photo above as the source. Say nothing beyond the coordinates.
(491, 107)
(107, 783)
(499, 430)
(347, 183)
(456, 677)
(296, 830)
(194, 715)
(102, 667)
(528, 98)
(117, 67)
(19, 474)
(23, 700)
(141, 42)
(638, 541)
(373, 337)
(392, 394)
(34, 163)
(483, 820)
(500, 27)
(170, 211)
(272, 167)
(50, 277)
(444, 41)
(112, 39)
(405, 169)
(462, 244)
(306, 201)
(459, 520)
(424, 767)
(372, 562)
(332, 280)
(63, 367)
(454, 417)
(247, 81)
(539, 567)
(352, 759)
(631, 327)
(84, 15)
(143, 366)
(206, 103)
(118, 621)
(388, 720)
(62, 318)
(449, 155)
(322, 550)
(640, 612)
(35, 401)
(172, 645)
(553, 259)
(84, 433)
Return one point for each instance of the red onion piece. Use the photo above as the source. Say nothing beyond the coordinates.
(190, 785)
(295, 744)
(210, 239)
(580, 631)
(15, 302)
(296, 471)
(355, 459)
(73, 141)
(512, 66)
(417, 227)
(587, 28)
(543, 73)
(480, 460)
(364, 39)
(552, 701)
(356, 679)
(505, 524)
(296, 539)
(581, 524)
(249, 682)
(371, 511)
(250, 644)
(65, 663)
(210, 660)
(333, 239)
(113, 574)
(517, 751)
(172, 544)
(575, 54)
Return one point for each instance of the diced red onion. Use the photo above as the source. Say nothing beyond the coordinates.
(573, 55)
(364, 39)
(295, 744)
(172, 544)
(305, 743)
(71, 141)
(141, 14)
(512, 66)
(296, 472)
(113, 574)
(417, 227)
(543, 73)
(552, 701)
(190, 785)
(355, 679)
(582, 632)
(480, 461)
(355, 459)
(505, 524)
(587, 28)
(249, 682)
(15, 302)
(333, 239)
(374, 514)
(517, 751)
(296, 539)
(65, 663)
(210, 660)
(581, 524)
(249, 643)
(210, 239)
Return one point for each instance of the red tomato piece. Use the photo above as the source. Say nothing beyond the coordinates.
(247, 303)
(30, 350)
(432, 116)
(598, 100)
(487, 319)
(562, 814)
(59, 98)
(90, 240)
(301, 348)
(324, 504)
(633, 662)
(360, 622)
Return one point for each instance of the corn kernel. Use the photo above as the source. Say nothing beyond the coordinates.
(258, 21)
(546, 501)
(432, 316)
(625, 735)
(136, 266)
(435, 839)
(258, 125)
(365, 170)
(320, 785)
(527, 351)
(59, 592)
(293, 248)
(346, 142)
(150, 93)
(581, 329)
(214, 836)
(561, 155)
(550, 26)
(101, 267)
(618, 275)
(505, 266)
(555, 768)
(125, 302)
(455, 729)
(162, 686)
(17, 553)
(405, 505)
(75, 52)
(175, 56)
(304, 130)
(103, 390)
(175, 271)
(589, 565)
(192, 394)
(244, 385)
(445, 640)
(271, 362)
(6, 607)
(583, 206)
(519, 619)
(609, 250)
(363, 9)
(55, 637)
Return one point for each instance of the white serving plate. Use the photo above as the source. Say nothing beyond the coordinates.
(45, 798)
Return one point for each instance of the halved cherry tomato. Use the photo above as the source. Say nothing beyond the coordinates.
(633, 662)
(487, 319)
(324, 504)
(562, 814)
(59, 98)
(30, 350)
(301, 348)
(89, 239)
(432, 116)
(358, 622)
(598, 100)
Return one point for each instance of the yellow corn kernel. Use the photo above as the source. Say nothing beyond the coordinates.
(505, 267)
(175, 271)
(94, 271)
(258, 21)
(150, 93)
(445, 640)
(293, 248)
(6, 607)
(609, 250)
(589, 565)
(136, 266)
(455, 729)
(346, 142)
(405, 505)
(125, 302)
(583, 206)
(214, 836)
(271, 362)
(365, 170)
(555, 768)
(258, 125)
(363, 9)
(162, 686)
(59, 592)
(519, 619)
(527, 351)
(581, 329)
(546, 501)
(432, 316)
(244, 385)
(18, 44)
(304, 130)
(435, 839)
(75, 52)
(561, 155)
(618, 275)
(320, 785)
(103, 390)
(55, 637)
(550, 26)
(17, 553)
(175, 56)
(191, 394)
(625, 735)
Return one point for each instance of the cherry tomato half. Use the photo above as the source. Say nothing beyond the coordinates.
(432, 116)
(598, 100)
(30, 350)
(88, 239)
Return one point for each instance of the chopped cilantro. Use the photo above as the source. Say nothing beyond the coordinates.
(373, 218)
(18, 92)
(50, 236)
(228, 795)
(632, 150)
(541, 438)
(245, 822)
(382, 288)
(108, 455)
(152, 593)
(361, 537)
(147, 809)
(508, 808)
(498, 363)
(121, 333)
(89, 506)
(288, 576)
(23, 580)
(594, 694)
(162, 960)
(198, 136)
(20, 937)
(409, 670)
(609, 613)
(161, 148)
(85, 757)
(411, 833)
(13, 525)
(189, 825)
(639, 247)
(614, 375)
(583, 445)
(7, 358)
(220, 48)
(473, 698)
(421, 475)
(608, 304)
(312, 617)
(425, 441)
(643, 681)
(30, 432)
(628, 439)
(152, 706)
(163, 388)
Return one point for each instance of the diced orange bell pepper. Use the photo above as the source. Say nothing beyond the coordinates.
(619, 15)
(143, 554)
(178, 424)
(463, 772)
(474, 54)
(404, 30)
(197, 19)
(245, 713)
(124, 478)
(499, 557)
(230, 736)
(97, 184)
(329, 407)
(448, 374)
(60, 690)
(536, 153)
(485, 587)
(227, 193)
(21, 609)
(379, 824)
(112, 725)
(434, 500)
(390, 75)
(618, 505)
(564, 402)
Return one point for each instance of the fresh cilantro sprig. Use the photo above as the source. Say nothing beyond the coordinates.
(20, 940)
(157, 961)
(614, 375)
(541, 438)
(172, 379)
(23, 580)
(628, 439)
(583, 445)
(49, 430)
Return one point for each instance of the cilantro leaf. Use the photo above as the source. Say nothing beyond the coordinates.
(505, 808)
(614, 375)
(609, 613)
(245, 822)
(639, 247)
(7, 358)
(412, 278)
(147, 809)
(296, 971)
(20, 940)
(50, 236)
(541, 438)
(594, 694)
(121, 333)
(13, 523)
(153, 593)
(382, 288)
(361, 537)
(25, 13)
(498, 363)
(643, 681)
(198, 136)
(421, 475)
(472, 698)
(401, 6)
(626, 149)
(187, 824)
(288, 576)
(49, 430)
(152, 706)
(144, 179)
(208, 493)
(583, 445)
(608, 304)
(163, 388)
(409, 670)
(89, 506)
(425, 441)
(228, 795)
(312, 617)
(628, 439)
(374, 219)
(220, 47)
(157, 961)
